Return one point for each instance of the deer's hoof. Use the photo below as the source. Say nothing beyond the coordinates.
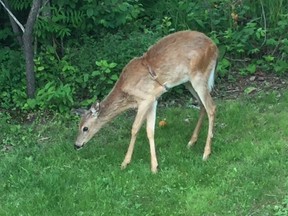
(154, 170)
(191, 144)
(124, 165)
(205, 157)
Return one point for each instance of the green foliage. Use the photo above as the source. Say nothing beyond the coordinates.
(273, 10)
(115, 13)
(240, 29)
(20, 5)
(72, 35)
(5, 33)
(165, 27)
(276, 48)
(242, 41)
(11, 76)
(68, 18)
(119, 48)
(53, 94)
(223, 67)
(52, 97)
(100, 62)
(103, 77)
(248, 44)
(61, 81)
(204, 16)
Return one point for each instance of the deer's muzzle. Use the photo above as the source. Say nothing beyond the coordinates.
(76, 147)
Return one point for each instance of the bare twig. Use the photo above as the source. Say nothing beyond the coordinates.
(14, 18)
(239, 60)
(43, 5)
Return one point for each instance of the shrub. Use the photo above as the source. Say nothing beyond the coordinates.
(100, 62)
(12, 75)
(250, 36)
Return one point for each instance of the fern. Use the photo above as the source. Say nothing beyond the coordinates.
(75, 17)
(20, 4)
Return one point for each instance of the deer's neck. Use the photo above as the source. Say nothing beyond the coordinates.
(114, 104)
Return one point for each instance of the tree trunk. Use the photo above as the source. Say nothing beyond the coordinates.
(28, 48)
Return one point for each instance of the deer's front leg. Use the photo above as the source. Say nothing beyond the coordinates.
(140, 116)
(150, 128)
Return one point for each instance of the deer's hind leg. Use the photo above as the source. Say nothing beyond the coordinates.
(196, 131)
(200, 87)
(150, 128)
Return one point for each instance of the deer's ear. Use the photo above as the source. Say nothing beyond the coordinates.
(95, 108)
(79, 111)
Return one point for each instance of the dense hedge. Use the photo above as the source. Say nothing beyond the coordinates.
(82, 47)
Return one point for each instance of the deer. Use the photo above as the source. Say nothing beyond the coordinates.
(185, 57)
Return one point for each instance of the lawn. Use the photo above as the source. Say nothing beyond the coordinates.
(247, 174)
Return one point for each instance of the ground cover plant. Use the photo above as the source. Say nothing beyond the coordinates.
(41, 173)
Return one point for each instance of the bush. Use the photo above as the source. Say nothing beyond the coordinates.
(100, 62)
(12, 75)
(85, 66)
(85, 72)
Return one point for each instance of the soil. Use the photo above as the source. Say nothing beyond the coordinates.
(250, 85)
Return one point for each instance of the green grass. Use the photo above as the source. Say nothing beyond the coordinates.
(41, 173)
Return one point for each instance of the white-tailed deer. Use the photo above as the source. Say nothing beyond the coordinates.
(185, 57)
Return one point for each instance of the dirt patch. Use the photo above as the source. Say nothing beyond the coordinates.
(249, 85)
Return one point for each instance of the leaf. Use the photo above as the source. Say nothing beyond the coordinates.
(112, 65)
(40, 68)
(269, 58)
(114, 77)
(123, 7)
(31, 103)
(99, 63)
(250, 90)
(96, 73)
(251, 68)
(90, 12)
(86, 77)
(102, 78)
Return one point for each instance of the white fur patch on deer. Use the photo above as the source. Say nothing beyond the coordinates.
(185, 57)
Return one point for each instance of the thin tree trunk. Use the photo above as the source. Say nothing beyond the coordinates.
(28, 48)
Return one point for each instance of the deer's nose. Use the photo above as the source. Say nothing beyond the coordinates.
(76, 147)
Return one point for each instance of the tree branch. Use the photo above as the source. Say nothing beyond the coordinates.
(14, 18)
(14, 26)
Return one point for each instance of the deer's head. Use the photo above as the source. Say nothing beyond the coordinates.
(88, 125)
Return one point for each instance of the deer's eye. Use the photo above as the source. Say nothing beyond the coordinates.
(85, 129)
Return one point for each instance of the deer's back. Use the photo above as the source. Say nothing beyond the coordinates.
(175, 59)
(179, 47)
